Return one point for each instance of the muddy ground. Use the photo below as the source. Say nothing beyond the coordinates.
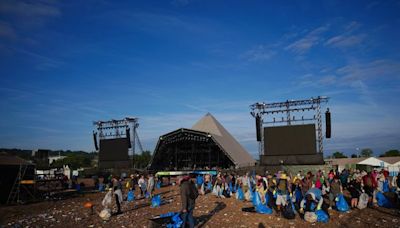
(209, 212)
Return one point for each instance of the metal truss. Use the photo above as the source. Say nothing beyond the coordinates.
(122, 128)
(260, 109)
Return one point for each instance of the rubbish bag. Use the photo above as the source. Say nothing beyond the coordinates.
(310, 217)
(147, 195)
(158, 185)
(322, 216)
(156, 201)
(240, 194)
(341, 204)
(263, 209)
(177, 221)
(288, 212)
(214, 191)
(382, 200)
(260, 208)
(254, 199)
(386, 186)
(105, 214)
(363, 201)
(131, 196)
(107, 199)
(199, 180)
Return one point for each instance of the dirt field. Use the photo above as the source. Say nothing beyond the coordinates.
(209, 212)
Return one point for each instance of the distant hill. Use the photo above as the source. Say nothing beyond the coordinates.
(27, 154)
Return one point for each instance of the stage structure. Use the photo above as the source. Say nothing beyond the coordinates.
(118, 140)
(206, 145)
(285, 139)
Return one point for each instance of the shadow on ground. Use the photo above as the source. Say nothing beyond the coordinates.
(202, 220)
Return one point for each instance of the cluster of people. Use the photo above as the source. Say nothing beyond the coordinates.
(304, 193)
(145, 184)
(287, 194)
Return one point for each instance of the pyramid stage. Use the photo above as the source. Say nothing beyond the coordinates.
(206, 145)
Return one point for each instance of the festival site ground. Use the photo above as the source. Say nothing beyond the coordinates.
(209, 212)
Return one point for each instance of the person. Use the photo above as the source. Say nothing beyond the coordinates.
(131, 184)
(282, 191)
(334, 190)
(297, 192)
(344, 178)
(142, 185)
(261, 188)
(117, 193)
(307, 182)
(150, 185)
(396, 182)
(189, 193)
(369, 186)
(271, 189)
(355, 191)
(312, 196)
(218, 185)
(319, 180)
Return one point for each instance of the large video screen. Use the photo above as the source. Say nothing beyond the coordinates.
(290, 140)
(113, 149)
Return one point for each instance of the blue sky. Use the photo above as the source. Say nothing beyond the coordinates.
(66, 63)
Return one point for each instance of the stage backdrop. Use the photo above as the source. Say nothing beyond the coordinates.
(290, 140)
(114, 149)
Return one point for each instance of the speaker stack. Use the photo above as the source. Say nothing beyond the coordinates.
(327, 124)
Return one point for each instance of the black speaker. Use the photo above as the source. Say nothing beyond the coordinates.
(327, 124)
(258, 128)
(95, 141)
(128, 136)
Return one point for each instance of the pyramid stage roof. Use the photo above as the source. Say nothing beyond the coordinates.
(207, 143)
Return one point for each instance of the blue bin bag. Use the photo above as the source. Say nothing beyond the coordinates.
(168, 214)
(131, 196)
(199, 180)
(147, 195)
(341, 204)
(156, 201)
(177, 221)
(322, 216)
(240, 194)
(383, 201)
(260, 208)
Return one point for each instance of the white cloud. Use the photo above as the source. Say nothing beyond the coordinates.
(259, 53)
(344, 41)
(304, 44)
(374, 69)
(354, 25)
(360, 125)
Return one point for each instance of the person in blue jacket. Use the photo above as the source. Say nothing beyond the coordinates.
(312, 200)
